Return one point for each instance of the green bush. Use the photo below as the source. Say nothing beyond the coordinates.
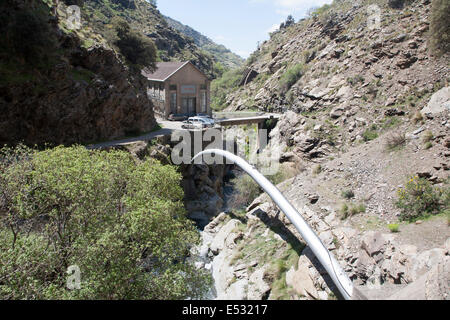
(418, 198)
(348, 194)
(440, 26)
(291, 76)
(27, 37)
(139, 50)
(394, 227)
(118, 221)
(351, 210)
(370, 134)
(222, 86)
(246, 190)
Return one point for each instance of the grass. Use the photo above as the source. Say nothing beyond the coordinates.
(82, 75)
(291, 76)
(371, 133)
(351, 210)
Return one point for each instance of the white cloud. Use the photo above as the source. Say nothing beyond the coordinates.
(273, 28)
(243, 54)
(286, 7)
(291, 6)
(220, 38)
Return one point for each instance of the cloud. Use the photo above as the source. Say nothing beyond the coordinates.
(286, 7)
(220, 38)
(273, 28)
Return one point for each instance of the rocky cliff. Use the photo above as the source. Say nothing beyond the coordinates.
(172, 45)
(61, 86)
(365, 116)
(219, 52)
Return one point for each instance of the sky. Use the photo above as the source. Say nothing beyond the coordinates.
(237, 24)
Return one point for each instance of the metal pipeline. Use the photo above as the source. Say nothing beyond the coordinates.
(326, 258)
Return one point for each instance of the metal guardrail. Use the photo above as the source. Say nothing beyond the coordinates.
(326, 258)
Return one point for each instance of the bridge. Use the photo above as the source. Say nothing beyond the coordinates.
(226, 122)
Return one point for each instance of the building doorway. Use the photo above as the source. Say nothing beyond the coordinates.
(189, 105)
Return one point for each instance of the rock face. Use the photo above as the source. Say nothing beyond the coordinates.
(376, 262)
(440, 102)
(87, 95)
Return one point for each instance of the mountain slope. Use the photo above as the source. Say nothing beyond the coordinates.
(58, 87)
(218, 51)
(145, 18)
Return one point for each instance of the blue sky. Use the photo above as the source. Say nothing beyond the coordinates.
(237, 24)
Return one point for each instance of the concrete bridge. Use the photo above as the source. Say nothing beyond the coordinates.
(259, 119)
(247, 120)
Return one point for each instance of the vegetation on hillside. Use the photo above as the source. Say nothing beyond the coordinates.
(117, 221)
(145, 22)
(223, 86)
(219, 52)
(440, 26)
(140, 51)
(27, 43)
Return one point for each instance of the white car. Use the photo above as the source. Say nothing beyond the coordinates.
(204, 122)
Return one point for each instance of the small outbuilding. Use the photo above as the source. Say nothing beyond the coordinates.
(178, 88)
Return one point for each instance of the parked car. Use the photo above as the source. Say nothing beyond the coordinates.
(178, 117)
(207, 118)
(192, 125)
(204, 122)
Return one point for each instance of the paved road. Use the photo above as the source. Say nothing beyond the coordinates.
(167, 127)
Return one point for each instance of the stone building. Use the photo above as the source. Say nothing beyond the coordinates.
(178, 88)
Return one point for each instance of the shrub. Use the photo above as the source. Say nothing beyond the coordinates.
(348, 194)
(427, 136)
(394, 227)
(222, 86)
(440, 26)
(122, 224)
(139, 50)
(418, 198)
(317, 169)
(355, 80)
(370, 134)
(395, 140)
(349, 211)
(246, 190)
(418, 117)
(291, 76)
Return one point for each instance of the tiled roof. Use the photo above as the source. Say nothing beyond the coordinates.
(163, 70)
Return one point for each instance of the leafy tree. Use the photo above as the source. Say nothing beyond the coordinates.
(118, 221)
(440, 26)
(139, 50)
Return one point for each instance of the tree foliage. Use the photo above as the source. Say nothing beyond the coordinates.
(139, 50)
(118, 221)
(440, 26)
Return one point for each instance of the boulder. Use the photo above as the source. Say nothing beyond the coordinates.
(433, 285)
(219, 240)
(300, 279)
(373, 243)
(337, 112)
(440, 102)
(257, 287)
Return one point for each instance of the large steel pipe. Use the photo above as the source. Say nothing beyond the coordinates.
(326, 258)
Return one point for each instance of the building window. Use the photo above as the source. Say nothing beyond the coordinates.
(173, 87)
(173, 102)
(203, 87)
(203, 101)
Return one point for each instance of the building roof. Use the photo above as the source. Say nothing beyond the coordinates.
(164, 70)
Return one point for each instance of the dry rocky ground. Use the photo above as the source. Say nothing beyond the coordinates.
(369, 109)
